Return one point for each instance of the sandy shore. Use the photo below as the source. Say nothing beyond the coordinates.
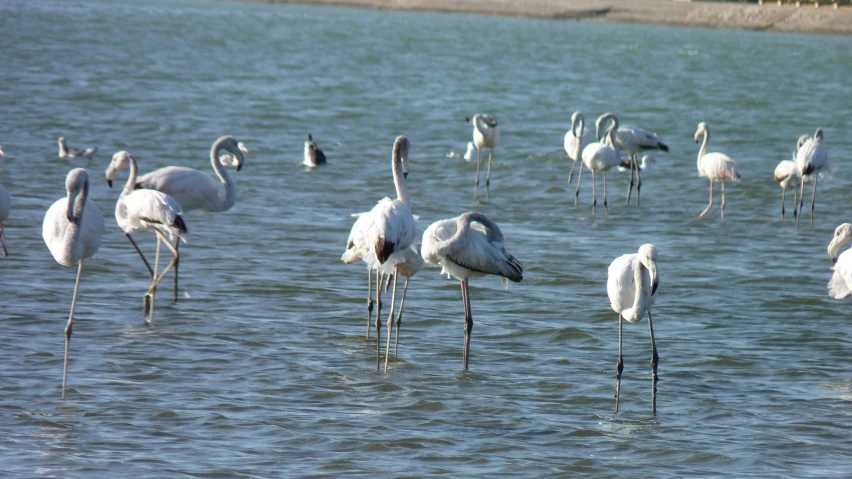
(739, 16)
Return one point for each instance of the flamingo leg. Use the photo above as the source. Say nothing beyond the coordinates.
(619, 366)
(174, 261)
(638, 176)
(783, 193)
(69, 326)
(571, 175)
(594, 194)
(723, 198)
(148, 298)
(177, 261)
(577, 191)
(369, 299)
(3, 240)
(801, 200)
(813, 198)
(488, 173)
(476, 183)
(629, 185)
(606, 209)
(468, 322)
(710, 205)
(795, 201)
(147, 265)
(399, 318)
(391, 317)
(378, 318)
(654, 361)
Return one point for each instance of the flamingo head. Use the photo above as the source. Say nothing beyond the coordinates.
(818, 135)
(648, 258)
(842, 235)
(76, 183)
(119, 161)
(400, 150)
(801, 141)
(702, 129)
(600, 121)
(235, 148)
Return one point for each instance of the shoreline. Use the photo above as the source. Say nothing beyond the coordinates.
(684, 13)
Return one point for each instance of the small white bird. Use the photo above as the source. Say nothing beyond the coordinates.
(468, 155)
(601, 156)
(469, 246)
(714, 166)
(644, 164)
(633, 140)
(811, 159)
(65, 152)
(486, 134)
(72, 230)
(195, 190)
(146, 210)
(840, 285)
(5, 208)
(313, 155)
(787, 175)
(577, 138)
(631, 285)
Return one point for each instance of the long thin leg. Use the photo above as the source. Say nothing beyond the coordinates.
(813, 198)
(801, 200)
(3, 239)
(68, 328)
(654, 361)
(177, 261)
(488, 173)
(148, 299)
(723, 198)
(783, 193)
(476, 183)
(144, 260)
(399, 318)
(468, 323)
(577, 191)
(174, 261)
(594, 194)
(571, 175)
(709, 205)
(378, 319)
(606, 209)
(638, 176)
(369, 299)
(795, 201)
(619, 366)
(629, 185)
(466, 314)
(391, 317)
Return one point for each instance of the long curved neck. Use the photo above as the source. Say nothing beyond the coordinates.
(230, 187)
(610, 133)
(398, 176)
(63, 149)
(578, 134)
(703, 149)
(78, 206)
(131, 179)
(640, 300)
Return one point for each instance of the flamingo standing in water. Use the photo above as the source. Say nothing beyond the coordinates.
(381, 237)
(72, 230)
(631, 285)
(575, 141)
(146, 210)
(195, 190)
(811, 159)
(486, 134)
(408, 268)
(840, 285)
(469, 246)
(601, 156)
(714, 166)
(65, 152)
(787, 175)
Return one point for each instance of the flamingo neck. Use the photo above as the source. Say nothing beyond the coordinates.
(703, 149)
(230, 187)
(640, 298)
(63, 149)
(398, 176)
(79, 204)
(131, 178)
(578, 134)
(610, 134)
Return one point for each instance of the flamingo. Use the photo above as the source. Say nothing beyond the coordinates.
(313, 155)
(195, 190)
(72, 230)
(811, 159)
(356, 250)
(575, 140)
(5, 207)
(787, 175)
(633, 140)
(631, 284)
(601, 156)
(469, 246)
(381, 240)
(714, 166)
(486, 134)
(146, 210)
(840, 285)
(65, 152)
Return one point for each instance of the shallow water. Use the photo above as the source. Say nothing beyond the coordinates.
(262, 368)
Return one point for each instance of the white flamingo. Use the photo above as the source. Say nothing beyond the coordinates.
(840, 285)
(195, 190)
(146, 210)
(383, 237)
(633, 140)
(601, 156)
(631, 285)
(357, 250)
(787, 175)
(811, 159)
(469, 246)
(313, 155)
(72, 230)
(575, 141)
(486, 134)
(65, 152)
(714, 166)
(5, 208)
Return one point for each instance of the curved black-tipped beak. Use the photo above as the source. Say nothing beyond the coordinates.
(239, 166)
(405, 175)
(109, 183)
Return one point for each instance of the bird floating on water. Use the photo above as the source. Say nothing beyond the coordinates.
(714, 166)
(66, 152)
(313, 155)
(467, 155)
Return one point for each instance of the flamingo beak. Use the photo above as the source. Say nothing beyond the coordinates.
(109, 183)
(655, 280)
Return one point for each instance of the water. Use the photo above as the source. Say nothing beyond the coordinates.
(262, 369)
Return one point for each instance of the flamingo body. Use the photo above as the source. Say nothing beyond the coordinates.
(486, 134)
(714, 166)
(840, 285)
(811, 159)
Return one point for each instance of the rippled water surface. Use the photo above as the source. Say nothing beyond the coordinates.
(262, 368)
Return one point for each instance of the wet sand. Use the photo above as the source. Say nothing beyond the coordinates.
(737, 16)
